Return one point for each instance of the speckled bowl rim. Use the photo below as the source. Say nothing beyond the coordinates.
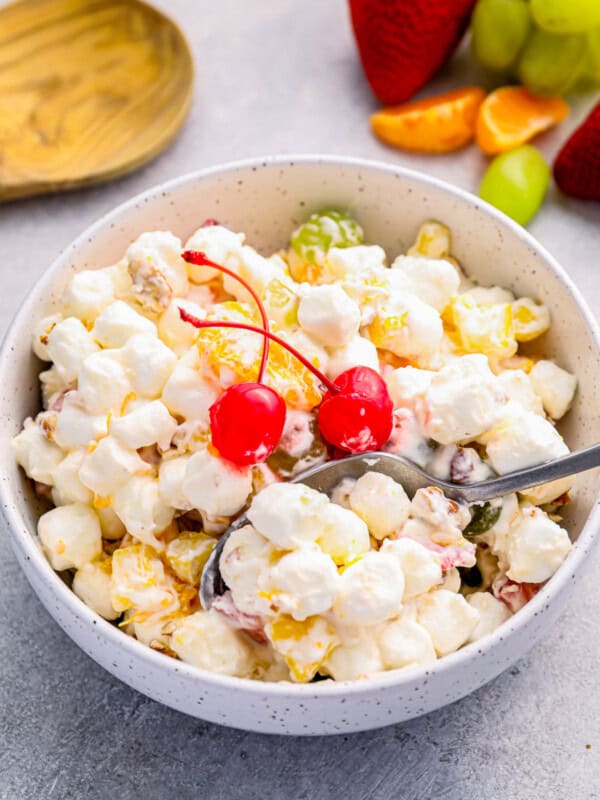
(24, 538)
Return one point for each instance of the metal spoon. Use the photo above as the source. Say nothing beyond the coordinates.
(89, 90)
(325, 477)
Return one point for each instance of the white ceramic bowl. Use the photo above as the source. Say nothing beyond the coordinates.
(266, 199)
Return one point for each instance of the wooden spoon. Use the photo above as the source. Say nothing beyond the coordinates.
(89, 90)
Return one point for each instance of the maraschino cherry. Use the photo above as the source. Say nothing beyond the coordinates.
(247, 419)
(355, 415)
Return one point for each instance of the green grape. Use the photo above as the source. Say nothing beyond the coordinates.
(499, 29)
(483, 518)
(550, 64)
(566, 16)
(590, 72)
(323, 230)
(516, 183)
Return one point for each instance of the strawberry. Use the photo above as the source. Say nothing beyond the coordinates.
(402, 43)
(577, 166)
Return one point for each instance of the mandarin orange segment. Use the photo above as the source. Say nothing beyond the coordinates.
(433, 125)
(296, 384)
(511, 116)
(226, 354)
(233, 356)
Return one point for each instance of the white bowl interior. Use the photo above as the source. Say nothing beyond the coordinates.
(267, 200)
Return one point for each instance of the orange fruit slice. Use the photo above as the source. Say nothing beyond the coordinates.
(433, 125)
(511, 116)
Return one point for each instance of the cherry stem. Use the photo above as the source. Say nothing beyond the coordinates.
(201, 323)
(199, 258)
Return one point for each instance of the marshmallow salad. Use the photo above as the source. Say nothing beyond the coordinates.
(189, 383)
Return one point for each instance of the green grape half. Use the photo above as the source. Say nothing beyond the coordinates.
(323, 230)
(550, 64)
(516, 182)
(566, 16)
(499, 29)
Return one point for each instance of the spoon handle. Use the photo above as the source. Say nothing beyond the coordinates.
(580, 461)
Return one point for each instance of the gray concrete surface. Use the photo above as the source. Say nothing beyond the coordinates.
(282, 77)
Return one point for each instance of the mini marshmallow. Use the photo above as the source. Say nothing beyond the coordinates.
(88, 293)
(302, 583)
(171, 475)
(256, 270)
(407, 386)
(519, 387)
(91, 584)
(448, 619)
(150, 423)
(69, 343)
(118, 323)
(214, 486)
(420, 566)
(52, 386)
(351, 662)
(492, 613)
(288, 515)
(554, 386)
(207, 640)
(404, 643)
(70, 536)
(359, 351)
(463, 400)
(535, 547)
(491, 296)
(381, 503)
(140, 508)
(112, 527)
(525, 439)
(67, 486)
(150, 364)
(409, 328)
(157, 269)
(33, 451)
(41, 331)
(371, 590)
(328, 314)
(174, 332)
(188, 394)
(342, 262)
(219, 245)
(75, 427)
(103, 383)
(345, 536)
(246, 556)
(109, 466)
(434, 281)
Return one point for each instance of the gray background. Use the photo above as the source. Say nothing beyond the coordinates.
(281, 76)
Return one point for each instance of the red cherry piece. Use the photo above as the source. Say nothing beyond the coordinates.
(247, 422)
(354, 423)
(364, 381)
(357, 418)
